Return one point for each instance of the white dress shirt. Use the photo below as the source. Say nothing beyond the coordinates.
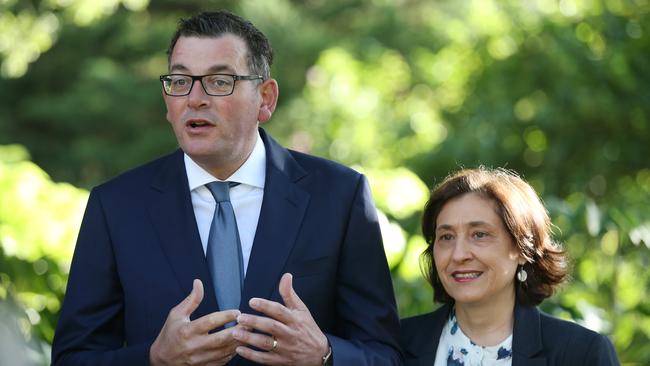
(246, 198)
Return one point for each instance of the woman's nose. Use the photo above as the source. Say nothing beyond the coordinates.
(462, 250)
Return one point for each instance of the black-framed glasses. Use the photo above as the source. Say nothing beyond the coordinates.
(218, 85)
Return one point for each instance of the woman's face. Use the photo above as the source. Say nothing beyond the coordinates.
(474, 254)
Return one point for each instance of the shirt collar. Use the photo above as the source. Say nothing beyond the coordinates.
(252, 172)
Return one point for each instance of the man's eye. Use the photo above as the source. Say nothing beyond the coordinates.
(179, 82)
(220, 82)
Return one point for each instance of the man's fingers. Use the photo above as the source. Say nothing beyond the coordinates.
(261, 341)
(264, 324)
(265, 358)
(207, 349)
(223, 339)
(214, 320)
(289, 296)
(191, 302)
(272, 309)
(215, 348)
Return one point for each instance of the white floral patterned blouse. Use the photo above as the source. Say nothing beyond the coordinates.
(456, 349)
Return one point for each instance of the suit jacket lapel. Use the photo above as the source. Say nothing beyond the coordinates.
(424, 344)
(527, 337)
(172, 216)
(283, 207)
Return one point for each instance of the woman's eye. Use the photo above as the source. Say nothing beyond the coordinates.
(445, 237)
(179, 82)
(480, 234)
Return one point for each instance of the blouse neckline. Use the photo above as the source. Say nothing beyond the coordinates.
(456, 349)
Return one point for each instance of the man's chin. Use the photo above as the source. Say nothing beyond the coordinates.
(200, 155)
(209, 156)
(200, 149)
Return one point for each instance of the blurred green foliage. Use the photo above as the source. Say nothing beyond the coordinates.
(39, 220)
(405, 91)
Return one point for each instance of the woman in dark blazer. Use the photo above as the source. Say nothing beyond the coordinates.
(490, 260)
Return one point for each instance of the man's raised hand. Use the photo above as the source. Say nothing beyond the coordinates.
(291, 337)
(185, 342)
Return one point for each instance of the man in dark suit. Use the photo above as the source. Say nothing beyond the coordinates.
(315, 287)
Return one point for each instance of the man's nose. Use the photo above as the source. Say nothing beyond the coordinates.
(197, 97)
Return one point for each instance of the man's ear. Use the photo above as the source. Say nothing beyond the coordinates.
(164, 96)
(270, 92)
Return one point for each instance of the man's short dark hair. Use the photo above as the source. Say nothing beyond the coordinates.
(218, 23)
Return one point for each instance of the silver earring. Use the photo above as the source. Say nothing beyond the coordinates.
(522, 275)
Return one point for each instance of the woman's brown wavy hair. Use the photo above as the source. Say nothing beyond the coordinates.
(525, 218)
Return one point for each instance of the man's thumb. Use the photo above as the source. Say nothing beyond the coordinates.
(289, 296)
(191, 302)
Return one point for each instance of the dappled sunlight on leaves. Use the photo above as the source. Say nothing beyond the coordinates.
(397, 191)
(39, 220)
(30, 200)
(410, 268)
(393, 238)
(26, 34)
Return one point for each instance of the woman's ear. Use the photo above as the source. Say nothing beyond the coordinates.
(522, 260)
(270, 92)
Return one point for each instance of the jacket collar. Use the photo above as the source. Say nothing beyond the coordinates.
(279, 158)
(526, 339)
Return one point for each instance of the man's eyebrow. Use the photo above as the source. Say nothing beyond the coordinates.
(178, 67)
(212, 70)
(220, 68)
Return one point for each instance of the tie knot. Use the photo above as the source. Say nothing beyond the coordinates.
(220, 190)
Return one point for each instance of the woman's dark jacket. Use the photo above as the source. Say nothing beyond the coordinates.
(538, 340)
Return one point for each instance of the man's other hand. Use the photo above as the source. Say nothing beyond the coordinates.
(185, 342)
(291, 337)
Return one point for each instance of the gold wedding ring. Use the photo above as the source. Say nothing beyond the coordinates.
(275, 344)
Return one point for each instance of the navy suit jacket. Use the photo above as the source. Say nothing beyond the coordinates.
(538, 340)
(139, 250)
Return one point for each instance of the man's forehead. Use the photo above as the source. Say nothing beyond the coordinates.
(225, 43)
(224, 53)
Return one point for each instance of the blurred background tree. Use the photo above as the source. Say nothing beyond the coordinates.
(405, 91)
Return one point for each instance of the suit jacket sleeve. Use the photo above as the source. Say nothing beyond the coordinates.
(90, 330)
(365, 301)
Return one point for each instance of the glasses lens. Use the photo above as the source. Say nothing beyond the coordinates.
(218, 84)
(177, 84)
